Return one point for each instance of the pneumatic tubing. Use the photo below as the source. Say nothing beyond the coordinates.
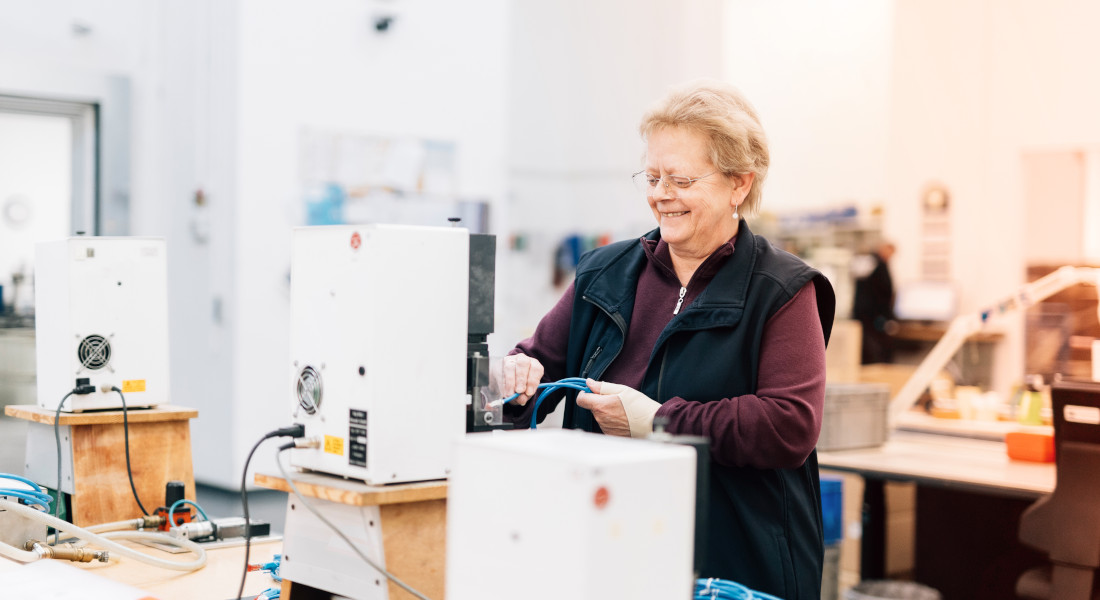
(105, 541)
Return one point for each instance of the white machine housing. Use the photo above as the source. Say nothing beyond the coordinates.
(566, 514)
(101, 314)
(378, 349)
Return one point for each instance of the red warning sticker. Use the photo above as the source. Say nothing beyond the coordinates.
(602, 497)
(356, 241)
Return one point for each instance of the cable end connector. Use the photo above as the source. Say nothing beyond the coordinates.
(313, 442)
(294, 431)
(84, 389)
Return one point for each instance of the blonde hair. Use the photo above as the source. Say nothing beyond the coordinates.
(735, 139)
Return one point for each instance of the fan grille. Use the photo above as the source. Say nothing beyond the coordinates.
(309, 390)
(94, 352)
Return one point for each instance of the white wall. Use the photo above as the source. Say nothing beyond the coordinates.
(819, 75)
(581, 76)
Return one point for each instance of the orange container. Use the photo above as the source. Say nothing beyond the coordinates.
(1034, 447)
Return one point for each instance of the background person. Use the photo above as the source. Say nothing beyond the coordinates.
(873, 306)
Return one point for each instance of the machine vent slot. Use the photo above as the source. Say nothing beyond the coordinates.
(309, 390)
(94, 352)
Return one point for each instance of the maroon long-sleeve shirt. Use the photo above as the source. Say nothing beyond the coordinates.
(775, 428)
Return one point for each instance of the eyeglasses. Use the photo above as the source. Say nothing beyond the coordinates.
(648, 183)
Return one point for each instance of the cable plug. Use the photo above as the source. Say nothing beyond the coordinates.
(84, 389)
(295, 431)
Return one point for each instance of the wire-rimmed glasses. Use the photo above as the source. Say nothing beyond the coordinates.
(648, 183)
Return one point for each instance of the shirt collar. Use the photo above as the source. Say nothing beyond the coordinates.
(658, 253)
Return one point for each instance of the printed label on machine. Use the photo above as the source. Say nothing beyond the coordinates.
(357, 437)
(334, 445)
(133, 385)
(1088, 415)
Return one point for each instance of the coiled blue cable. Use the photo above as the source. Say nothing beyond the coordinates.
(722, 589)
(35, 496)
(570, 383)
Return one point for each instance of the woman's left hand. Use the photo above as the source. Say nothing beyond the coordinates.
(608, 409)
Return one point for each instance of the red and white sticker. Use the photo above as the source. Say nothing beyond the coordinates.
(602, 497)
(356, 241)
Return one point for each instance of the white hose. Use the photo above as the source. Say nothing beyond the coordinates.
(16, 554)
(103, 541)
(131, 524)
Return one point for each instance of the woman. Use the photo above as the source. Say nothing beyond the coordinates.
(707, 325)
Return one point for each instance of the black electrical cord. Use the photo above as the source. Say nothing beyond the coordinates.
(295, 431)
(57, 438)
(126, 436)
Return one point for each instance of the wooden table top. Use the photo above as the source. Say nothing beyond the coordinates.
(218, 579)
(37, 414)
(355, 493)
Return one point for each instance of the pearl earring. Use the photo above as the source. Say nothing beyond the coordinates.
(735, 213)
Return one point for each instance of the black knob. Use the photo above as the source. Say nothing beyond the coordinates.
(173, 492)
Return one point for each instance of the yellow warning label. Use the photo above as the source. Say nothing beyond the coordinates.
(334, 445)
(133, 385)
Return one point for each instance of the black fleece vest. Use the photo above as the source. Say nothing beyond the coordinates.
(764, 527)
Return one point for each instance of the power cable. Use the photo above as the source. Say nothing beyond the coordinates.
(126, 436)
(295, 431)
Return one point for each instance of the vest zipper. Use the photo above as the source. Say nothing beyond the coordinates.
(680, 302)
(591, 360)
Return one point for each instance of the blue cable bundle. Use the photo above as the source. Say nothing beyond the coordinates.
(721, 589)
(272, 593)
(569, 383)
(35, 496)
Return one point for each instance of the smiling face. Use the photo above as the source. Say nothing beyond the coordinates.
(698, 219)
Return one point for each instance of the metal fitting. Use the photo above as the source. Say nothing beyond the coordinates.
(195, 530)
(313, 442)
(66, 552)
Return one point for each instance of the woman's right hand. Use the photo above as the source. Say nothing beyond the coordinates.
(520, 374)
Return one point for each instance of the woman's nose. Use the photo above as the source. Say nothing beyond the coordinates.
(663, 189)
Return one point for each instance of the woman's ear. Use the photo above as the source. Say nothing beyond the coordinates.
(741, 185)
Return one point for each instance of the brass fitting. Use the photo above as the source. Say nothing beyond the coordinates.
(66, 552)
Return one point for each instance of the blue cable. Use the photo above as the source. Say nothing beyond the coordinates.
(722, 589)
(32, 497)
(570, 383)
(272, 567)
(172, 511)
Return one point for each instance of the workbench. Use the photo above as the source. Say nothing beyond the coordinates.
(969, 498)
(93, 458)
(218, 579)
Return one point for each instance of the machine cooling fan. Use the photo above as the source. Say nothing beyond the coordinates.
(94, 352)
(309, 390)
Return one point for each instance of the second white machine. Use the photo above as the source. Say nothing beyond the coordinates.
(378, 346)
